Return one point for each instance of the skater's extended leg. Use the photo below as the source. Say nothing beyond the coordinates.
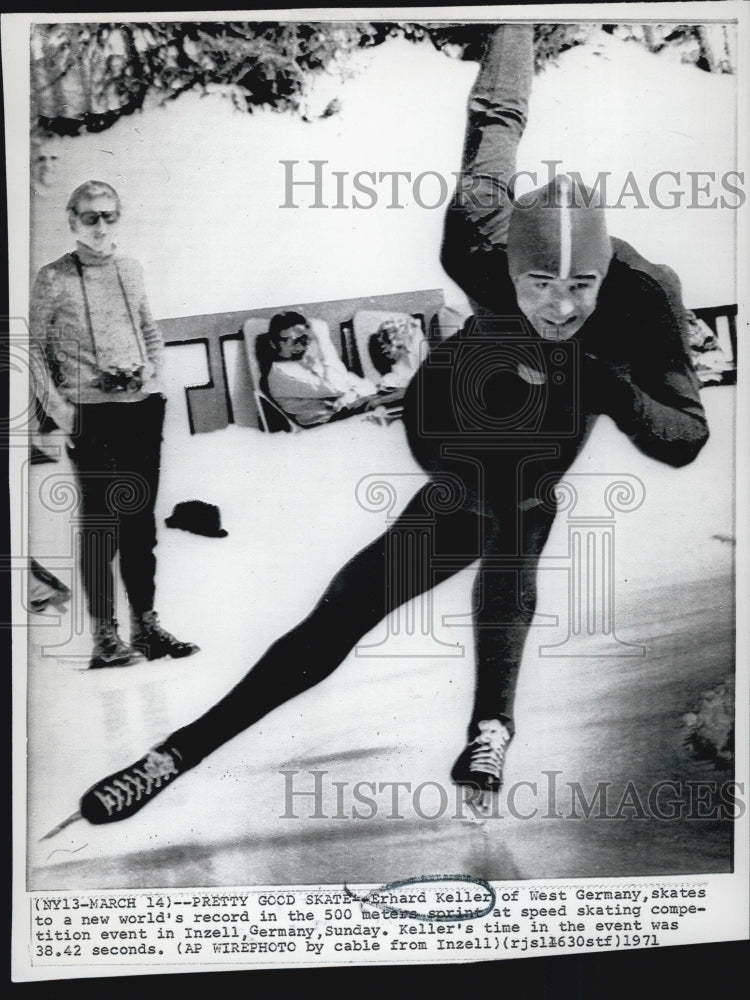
(386, 574)
(505, 602)
(393, 569)
(504, 605)
(476, 223)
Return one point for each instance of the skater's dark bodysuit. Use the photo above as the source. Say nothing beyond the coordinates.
(495, 428)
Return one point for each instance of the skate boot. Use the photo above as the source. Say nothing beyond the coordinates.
(122, 794)
(149, 638)
(109, 649)
(479, 768)
(481, 763)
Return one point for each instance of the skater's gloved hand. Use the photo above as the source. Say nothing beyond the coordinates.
(606, 386)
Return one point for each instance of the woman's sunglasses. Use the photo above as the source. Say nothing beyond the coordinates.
(91, 218)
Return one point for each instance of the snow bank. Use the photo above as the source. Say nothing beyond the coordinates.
(203, 182)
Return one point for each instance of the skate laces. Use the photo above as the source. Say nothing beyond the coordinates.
(488, 748)
(136, 782)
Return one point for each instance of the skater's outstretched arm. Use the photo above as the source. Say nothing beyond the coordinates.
(655, 398)
(476, 224)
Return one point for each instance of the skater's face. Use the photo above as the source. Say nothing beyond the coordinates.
(556, 307)
(94, 222)
(292, 343)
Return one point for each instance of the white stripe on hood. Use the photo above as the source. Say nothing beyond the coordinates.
(566, 226)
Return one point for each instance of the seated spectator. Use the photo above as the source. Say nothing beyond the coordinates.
(709, 361)
(395, 351)
(311, 387)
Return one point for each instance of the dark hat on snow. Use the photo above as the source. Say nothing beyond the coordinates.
(560, 229)
(199, 517)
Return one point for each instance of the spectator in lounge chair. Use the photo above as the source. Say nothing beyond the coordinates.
(395, 350)
(312, 387)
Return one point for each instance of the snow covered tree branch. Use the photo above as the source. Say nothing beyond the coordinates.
(87, 76)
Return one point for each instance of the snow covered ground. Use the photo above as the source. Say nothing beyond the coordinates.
(212, 238)
(289, 505)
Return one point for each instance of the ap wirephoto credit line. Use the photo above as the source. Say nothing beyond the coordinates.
(378, 521)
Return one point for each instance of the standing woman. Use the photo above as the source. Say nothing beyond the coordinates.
(91, 326)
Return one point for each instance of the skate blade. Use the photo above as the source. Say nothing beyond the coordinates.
(480, 805)
(73, 818)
